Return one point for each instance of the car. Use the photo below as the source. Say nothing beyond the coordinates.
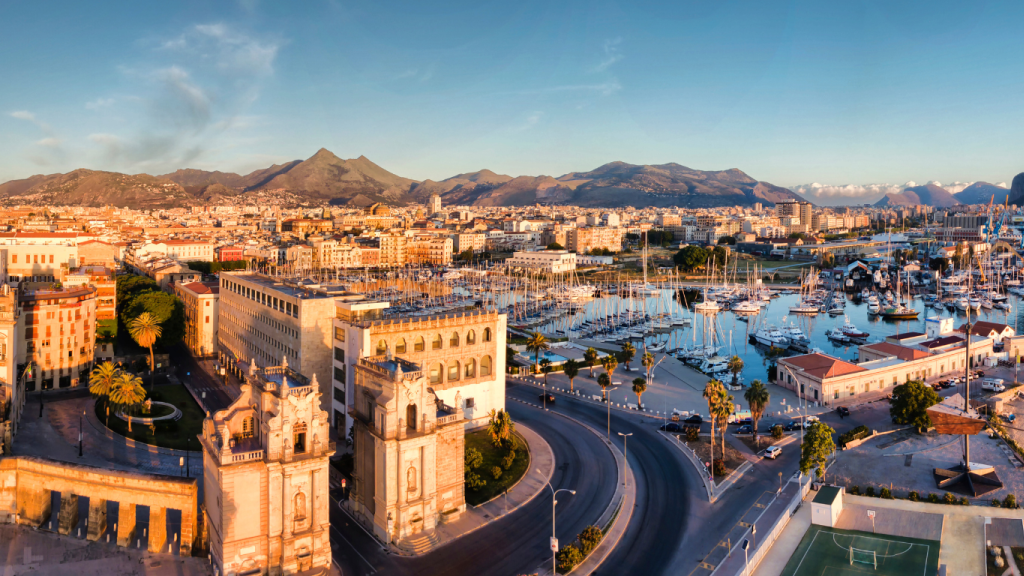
(694, 419)
(979, 374)
(843, 411)
(745, 429)
(936, 386)
(672, 427)
(550, 398)
(948, 383)
(791, 425)
(744, 420)
(772, 452)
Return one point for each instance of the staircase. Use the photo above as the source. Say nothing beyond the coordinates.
(419, 544)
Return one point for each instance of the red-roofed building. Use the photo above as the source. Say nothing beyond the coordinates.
(882, 350)
(992, 330)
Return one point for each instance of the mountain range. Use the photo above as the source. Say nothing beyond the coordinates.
(360, 182)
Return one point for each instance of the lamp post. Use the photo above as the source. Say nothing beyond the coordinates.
(746, 558)
(625, 455)
(80, 418)
(554, 539)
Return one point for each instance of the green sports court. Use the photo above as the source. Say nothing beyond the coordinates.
(827, 551)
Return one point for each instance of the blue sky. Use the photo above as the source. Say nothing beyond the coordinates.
(794, 92)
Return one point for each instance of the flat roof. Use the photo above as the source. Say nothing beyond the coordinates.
(826, 495)
(302, 289)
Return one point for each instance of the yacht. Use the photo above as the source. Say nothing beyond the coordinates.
(899, 312)
(746, 307)
(836, 335)
(962, 304)
(974, 302)
(714, 365)
(707, 307)
(771, 336)
(804, 308)
(852, 332)
(873, 307)
(797, 339)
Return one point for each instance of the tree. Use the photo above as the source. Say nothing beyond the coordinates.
(500, 428)
(735, 366)
(537, 344)
(168, 310)
(798, 235)
(818, 444)
(647, 361)
(711, 390)
(757, 397)
(639, 387)
(604, 381)
(628, 353)
(610, 364)
(938, 264)
(690, 258)
(145, 330)
(571, 368)
(126, 392)
(724, 408)
(555, 246)
(910, 403)
(590, 357)
(465, 255)
(730, 240)
(101, 380)
(719, 255)
(130, 285)
(545, 367)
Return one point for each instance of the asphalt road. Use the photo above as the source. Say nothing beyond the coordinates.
(515, 544)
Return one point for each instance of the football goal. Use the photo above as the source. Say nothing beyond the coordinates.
(863, 557)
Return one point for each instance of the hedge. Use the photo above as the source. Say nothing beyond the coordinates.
(856, 434)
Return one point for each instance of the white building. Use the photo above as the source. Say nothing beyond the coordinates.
(552, 261)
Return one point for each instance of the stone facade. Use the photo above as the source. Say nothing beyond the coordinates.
(265, 465)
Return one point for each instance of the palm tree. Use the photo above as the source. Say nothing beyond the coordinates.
(604, 381)
(757, 398)
(610, 364)
(571, 368)
(101, 380)
(545, 367)
(537, 344)
(735, 366)
(590, 357)
(628, 352)
(500, 428)
(639, 387)
(126, 392)
(647, 361)
(723, 409)
(145, 329)
(711, 390)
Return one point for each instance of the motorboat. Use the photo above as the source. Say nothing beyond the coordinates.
(874, 308)
(975, 303)
(836, 335)
(804, 308)
(899, 312)
(797, 339)
(746, 307)
(714, 365)
(771, 336)
(852, 332)
(962, 304)
(707, 307)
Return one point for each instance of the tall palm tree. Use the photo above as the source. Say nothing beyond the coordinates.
(571, 368)
(537, 344)
(735, 366)
(647, 361)
(101, 380)
(604, 381)
(723, 409)
(610, 364)
(590, 357)
(126, 392)
(639, 387)
(545, 367)
(145, 329)
(628, 352)
(757, 397)
(711, 390)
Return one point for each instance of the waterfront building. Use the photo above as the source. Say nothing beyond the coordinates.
(550, 261)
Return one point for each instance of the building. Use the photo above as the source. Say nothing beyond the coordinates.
(103, 280)
(180, 250)
(435, 204)
(12, 387)
(997, 332)
(550, 261)
(394, 250)
(430, 250)
(267, 320)
(584, 240)
(795, 209)
(201, 301)
(468, 241)
(265, 477)
(57, 336)
(307, 226)
(230, 253)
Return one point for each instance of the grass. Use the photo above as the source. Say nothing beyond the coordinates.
(826, 550)
(493, 457)
(106, 329)
(180, 435)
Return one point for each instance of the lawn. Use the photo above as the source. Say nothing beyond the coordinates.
(180, 435)
(826, 550)
(493, 457)
(106, 329)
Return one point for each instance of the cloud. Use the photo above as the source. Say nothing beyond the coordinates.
(24, 115)
(612, 54)
(423, 75)
(833, 195)
(99, 103)
(532, 119)
(605, 88)
(232, 51)
(952, 187)
(49, 142)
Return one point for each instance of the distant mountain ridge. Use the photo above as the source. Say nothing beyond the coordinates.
(927, 194)
(359, 182)
(982, 193)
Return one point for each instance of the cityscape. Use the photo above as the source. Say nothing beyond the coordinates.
(232, 344)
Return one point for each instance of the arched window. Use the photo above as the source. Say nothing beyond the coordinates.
(300, 506)
(420, 345)
(400, 346)
(410, 416)
(469, 369)
(453, 371)
(382, 348)
(435, 373)
(485, 366)
(471, 338)
(487, 334)
(453, 342)
(435, 344)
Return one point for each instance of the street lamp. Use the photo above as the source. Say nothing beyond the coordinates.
(554, 539)
(746, 558)
(625, 456)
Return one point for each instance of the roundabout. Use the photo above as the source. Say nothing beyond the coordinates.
(169, 412)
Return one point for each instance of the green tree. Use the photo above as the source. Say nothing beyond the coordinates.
(910, 403)
(818, 444)
(145, 330)
(627, 354)
(545, 367)
(730, 240)
(500, 428)
(711, 395)
(571, 369)
(639, 387)
(537, 344)
(647, 361)
(590, 357)
(101, 380)
(126, 393)
(555, 246)
(724, 408)
(129, 285)
(610, 364)
(735, 366)
(167, 309)
(940, 264)
(690, 258)
(604, 381)
(757, 397)
(466, 255)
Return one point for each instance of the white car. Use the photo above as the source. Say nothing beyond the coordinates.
(772, 452)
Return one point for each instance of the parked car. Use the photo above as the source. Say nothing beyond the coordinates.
(694, 419)
(979, 374)
(772, 452)
(672, 427)
(550, 398)
(992, 385)
(745, 429)
(791, 425)
(937, 386)
(948, 383)
(843, 411)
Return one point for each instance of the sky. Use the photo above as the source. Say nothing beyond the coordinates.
(844, 100)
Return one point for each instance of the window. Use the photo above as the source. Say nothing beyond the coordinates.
(435, 344)
(420, 345)
(435, 373)
(339, 354)
(339, 394)
(470, 403)
(469, 370)
(299, 438)
(487, 334)
(300, 505)
(247, 427)
(382, 348)
(400, 346)
(339, 374)
(453, 342)
(471, 338)
(485, 366)
(339, 334)
(51, 258)
(35, 259)
(410, 416)
(453, 371)
(14, 259)
(207, 319)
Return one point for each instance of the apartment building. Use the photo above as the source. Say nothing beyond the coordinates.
(268, 320)
(665, 220)
(394, 250)
(583, 240)
(794, 209)
(550, 261)
(468, 241)
(103, 280)
(180, 250)
(58, 336)
(430, 250)
(202, 303)
(12, 388)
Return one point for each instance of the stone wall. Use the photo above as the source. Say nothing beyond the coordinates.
(26, 484)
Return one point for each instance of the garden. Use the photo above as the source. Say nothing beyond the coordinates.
(496, 459)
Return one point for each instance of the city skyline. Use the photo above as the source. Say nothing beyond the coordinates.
(790, 95)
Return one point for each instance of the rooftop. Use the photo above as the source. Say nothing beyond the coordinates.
(304, 289)
(822, 366)
(902, 352)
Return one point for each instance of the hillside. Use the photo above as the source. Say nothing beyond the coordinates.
(928, 195)
(982, 193)
(95, 188)
(1017, 190)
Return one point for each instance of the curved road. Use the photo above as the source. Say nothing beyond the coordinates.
(517, 543)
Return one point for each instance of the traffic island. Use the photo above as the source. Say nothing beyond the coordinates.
(495, 471)
(178, 434)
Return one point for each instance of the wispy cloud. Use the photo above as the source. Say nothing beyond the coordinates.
(612, 54)
(50, 142)
(24, 115)
(531, 120)
(605, 88)
(421, 74)
(99, 103)
(232, 51)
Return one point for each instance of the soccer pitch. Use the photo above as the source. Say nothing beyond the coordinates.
(826, 552)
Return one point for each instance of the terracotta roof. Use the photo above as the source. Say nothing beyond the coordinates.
(902, 352)
(985, 328)
(203, 287)
(943, 341)
(822, 366)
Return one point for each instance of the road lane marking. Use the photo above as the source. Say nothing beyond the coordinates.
(343, 539)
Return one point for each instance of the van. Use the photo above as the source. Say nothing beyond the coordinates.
(993, 384)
